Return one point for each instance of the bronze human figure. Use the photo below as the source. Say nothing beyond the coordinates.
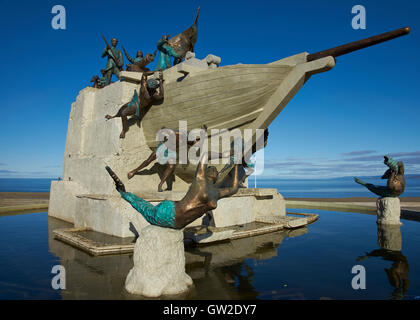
(139, 63)
(225, 177)
(201, 197)
(138, 57)
(396, 181)
(115, 60)
(151, 91)
(177, 46)
(161, 151)
(98, 82)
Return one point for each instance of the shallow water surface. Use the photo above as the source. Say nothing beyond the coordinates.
(313, 262)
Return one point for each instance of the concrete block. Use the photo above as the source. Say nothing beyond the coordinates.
(159, 264)
(388, 210)
(62, 203)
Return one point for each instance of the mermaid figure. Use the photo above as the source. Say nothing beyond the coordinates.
(396, 181)
(201, 197)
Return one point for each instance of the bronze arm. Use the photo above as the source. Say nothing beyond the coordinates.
(226, 192)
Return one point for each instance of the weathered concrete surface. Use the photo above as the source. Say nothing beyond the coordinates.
(388, 210)
(91, 144)
(159, 264)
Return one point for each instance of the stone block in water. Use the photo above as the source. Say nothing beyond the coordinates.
(388, 210)
(159, 263)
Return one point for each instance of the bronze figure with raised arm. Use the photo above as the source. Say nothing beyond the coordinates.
(396, 181)
(201, 197)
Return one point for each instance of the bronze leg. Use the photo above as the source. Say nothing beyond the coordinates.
(145, 163)
(119, 113)
(124, 127)
(126, 112)
(168, 171)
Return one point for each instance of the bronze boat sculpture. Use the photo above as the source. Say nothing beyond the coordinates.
(243, 96)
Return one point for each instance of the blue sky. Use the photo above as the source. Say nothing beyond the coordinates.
(340, 123)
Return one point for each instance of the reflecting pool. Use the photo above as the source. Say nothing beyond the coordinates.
(314, 262)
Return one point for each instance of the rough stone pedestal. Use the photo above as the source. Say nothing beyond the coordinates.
(159, 263)
(388, 210)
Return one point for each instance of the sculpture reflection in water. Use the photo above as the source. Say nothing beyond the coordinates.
(222, 271)
(390, 243)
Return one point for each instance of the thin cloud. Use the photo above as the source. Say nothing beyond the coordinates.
(358, 153)
(406, 154)
(315, 168)
(366, 158)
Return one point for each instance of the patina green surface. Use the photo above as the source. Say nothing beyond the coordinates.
(162, 215)
(114, 63)
(166, 52)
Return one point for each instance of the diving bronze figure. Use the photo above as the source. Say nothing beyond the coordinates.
(201, 197)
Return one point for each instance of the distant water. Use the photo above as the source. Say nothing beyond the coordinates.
(25, 185)
(309, 188)
(330, 188)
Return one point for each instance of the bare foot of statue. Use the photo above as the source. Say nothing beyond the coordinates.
(122, 135)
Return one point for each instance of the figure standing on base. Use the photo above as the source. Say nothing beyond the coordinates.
(201, 197)
(177, 47)
(149, 94)
(115, 60)
(396, 182)
(165, 53)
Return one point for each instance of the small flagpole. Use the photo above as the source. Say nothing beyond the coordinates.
(255, 174)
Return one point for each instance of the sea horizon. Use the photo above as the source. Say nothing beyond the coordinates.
(340, 187)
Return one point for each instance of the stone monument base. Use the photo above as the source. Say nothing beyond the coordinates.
(388, 210)
(110, 214)
(159, 263)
